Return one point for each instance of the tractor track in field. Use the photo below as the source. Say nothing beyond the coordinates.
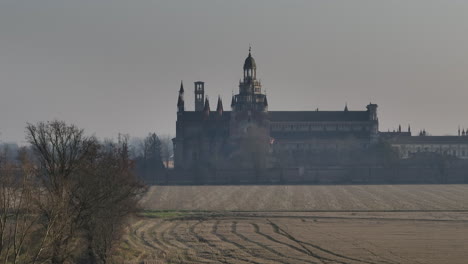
(225, 251)
(280, 231)
(265, 247)
(242, 247)
(258, 238)
(279, 224)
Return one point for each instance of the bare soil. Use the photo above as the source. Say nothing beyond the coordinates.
(302, 224)
(308, 198)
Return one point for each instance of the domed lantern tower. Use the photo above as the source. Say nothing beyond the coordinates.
(250, 95)
(249, 106)
(250, 67)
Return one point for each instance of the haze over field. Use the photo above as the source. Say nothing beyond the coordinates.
(115, 66)
(308, 198)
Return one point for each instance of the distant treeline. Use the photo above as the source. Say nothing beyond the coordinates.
(150, 156)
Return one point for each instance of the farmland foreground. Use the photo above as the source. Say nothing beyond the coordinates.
(308, 198)
(413, 224)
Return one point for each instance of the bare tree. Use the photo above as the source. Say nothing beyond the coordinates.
(167, 150)
(61, 151)
(149, 163)
(68, 199)
(88, 189)
(152, 149)
(111, 192)
(18, 214)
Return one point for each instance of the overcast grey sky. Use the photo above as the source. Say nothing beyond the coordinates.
(113, 66)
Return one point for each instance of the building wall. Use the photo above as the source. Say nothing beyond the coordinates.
(209, 143)
(459, 150)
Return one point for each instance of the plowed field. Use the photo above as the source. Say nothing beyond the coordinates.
(308, 197)
(302, 224)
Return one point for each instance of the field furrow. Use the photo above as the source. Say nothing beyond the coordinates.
(275, 254)
(381, 224)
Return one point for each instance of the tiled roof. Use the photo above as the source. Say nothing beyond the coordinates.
(431, 140)
(199, 116)
(311, 116)
(299, 135)
(288, 116)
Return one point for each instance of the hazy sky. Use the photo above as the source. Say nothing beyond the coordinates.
(113, 66)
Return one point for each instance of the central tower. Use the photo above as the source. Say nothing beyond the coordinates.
(249, 106)
(250, 97)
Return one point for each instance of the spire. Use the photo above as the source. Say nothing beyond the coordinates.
(409, 129)
(399, 128)
(181, 90)
(219, 107)
(233, 101)
(180, 100)
(346, 107)
(206, 109)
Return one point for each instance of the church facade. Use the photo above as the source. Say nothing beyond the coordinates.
(217, 136)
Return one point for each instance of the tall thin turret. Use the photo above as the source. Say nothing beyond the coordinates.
(219, 107)
(233, 102)
(374, 120)
(180, 100)
(206, 108)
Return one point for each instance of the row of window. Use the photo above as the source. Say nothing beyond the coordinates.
(306, 127)
(249, 98)
(318, 146)
(441, 150)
